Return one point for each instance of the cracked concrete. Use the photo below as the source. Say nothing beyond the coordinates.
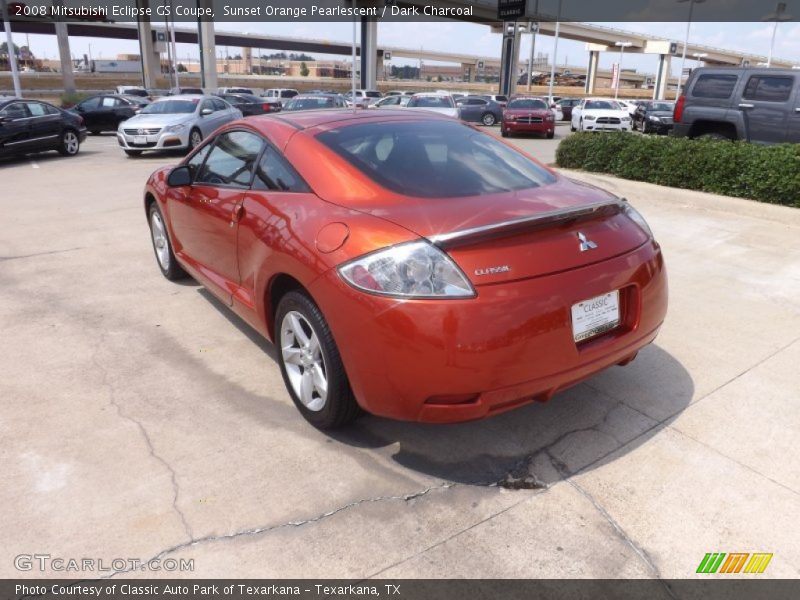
(140, 419)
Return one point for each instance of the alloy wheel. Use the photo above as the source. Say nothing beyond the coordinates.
(305, 364)
(71, 143)
(160, 242)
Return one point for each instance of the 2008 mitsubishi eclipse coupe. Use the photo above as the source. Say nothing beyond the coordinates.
(408, 264)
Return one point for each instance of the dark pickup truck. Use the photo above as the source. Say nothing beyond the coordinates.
(740, 103)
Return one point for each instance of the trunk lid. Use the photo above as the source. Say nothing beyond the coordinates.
(529, 233)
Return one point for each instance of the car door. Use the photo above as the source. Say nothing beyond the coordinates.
(475, 107)
(277, 198)
(107, 113)
(89, 109)
(207, 122)
(45, 125)
(204, 217)
(15, 129)
(764, 104)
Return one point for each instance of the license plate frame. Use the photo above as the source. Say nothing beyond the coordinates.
(595, 316)
(140, 140)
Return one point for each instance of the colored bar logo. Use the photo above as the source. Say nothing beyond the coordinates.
(735, 562)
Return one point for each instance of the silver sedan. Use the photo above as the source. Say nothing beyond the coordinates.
(176, 122)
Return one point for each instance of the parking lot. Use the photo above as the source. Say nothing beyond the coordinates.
(141, 419)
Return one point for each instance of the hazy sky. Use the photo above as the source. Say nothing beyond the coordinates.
(475, 39)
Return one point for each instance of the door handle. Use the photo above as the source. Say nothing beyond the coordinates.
(797, 109)
(745, 105)
(236, 214)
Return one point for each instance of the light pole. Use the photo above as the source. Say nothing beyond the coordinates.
(534, 29)
(12, 57)
(685, 41)
(778, 16)
(555, 55)
(621, 45)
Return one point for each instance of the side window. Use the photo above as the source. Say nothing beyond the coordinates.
(196, 161)
(207, 104)
(714, 86)
(51, 110)
(274, 173)
(231, 160)
(219, 104)
(769, 88)
(15, 111)
(109, 102)
(36, 109)
(90, 104)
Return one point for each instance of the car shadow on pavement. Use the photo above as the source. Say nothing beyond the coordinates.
(535, 445)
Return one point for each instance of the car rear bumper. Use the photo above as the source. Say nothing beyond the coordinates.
(458, 360)
(159, 141)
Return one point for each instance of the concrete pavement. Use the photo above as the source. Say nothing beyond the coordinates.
(141, 419)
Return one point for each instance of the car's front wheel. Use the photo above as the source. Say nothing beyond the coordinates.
(310, 363)
(162, 247)
(488, 119)
(195, 137)
(70, 143)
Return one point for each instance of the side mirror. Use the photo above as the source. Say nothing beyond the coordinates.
(205, 112)
(179, 177)
(4, 119)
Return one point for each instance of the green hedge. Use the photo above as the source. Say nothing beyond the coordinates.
(766, 173)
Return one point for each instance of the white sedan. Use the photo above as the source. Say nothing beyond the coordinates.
(600, 114)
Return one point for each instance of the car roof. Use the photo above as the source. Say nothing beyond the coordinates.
(185, 97)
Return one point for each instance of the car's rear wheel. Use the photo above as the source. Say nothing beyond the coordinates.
(488, 119)
(133, 153)
(715, 135)
(310, 363)
(195, 137)
(70, 143)
(162, 247)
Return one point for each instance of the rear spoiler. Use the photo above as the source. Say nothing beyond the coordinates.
(533, 222)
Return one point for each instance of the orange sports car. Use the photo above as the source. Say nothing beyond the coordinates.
(408, 264)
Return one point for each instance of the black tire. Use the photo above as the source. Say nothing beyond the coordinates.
(572, 127)
(714, 135)
(503, 132)
(195, 137)
(69, 144)
(340, 406)
(488, 119)
(644, 126)
(172, 271)
(551, 135)
(133, 153)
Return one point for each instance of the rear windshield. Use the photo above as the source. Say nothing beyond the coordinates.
(169, 107)
(371, 94)
(714, 86)
(288, 93)
(300, 103)
(434, 159)
(244, 97)
(432, 102)
(661, 106)
(527, 104)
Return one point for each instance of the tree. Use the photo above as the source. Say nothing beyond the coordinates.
(304, 69)
(4, 49)
(181, 68)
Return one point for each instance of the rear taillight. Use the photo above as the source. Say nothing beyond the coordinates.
(678, 112)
